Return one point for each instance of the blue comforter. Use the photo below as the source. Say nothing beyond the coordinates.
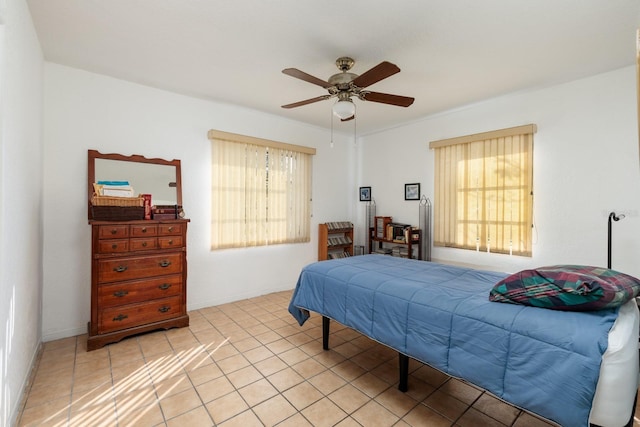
(541, 360)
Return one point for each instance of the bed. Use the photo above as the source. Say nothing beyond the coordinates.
(572, 368)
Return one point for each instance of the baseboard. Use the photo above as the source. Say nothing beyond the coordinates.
(233, 298)
(56, 335)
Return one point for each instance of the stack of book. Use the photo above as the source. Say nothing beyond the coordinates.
(339, 240)
(114, 189)
(338, 255)
(398, 232)
(339, 225)
(165, 211)
(400, 251)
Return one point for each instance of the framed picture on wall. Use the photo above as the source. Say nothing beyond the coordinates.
(365, 194)
(412, 191)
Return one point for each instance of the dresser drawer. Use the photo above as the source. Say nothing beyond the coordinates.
(108, 246)
(170, 242)
(127, 316)
(169, 229)
(113, 231)
(143, 230)
(128, 268)
(138, 278)
(143, 244)
(134, 291)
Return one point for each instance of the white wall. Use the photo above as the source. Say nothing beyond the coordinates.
(586, 165)
(20, 202)
(89, 111)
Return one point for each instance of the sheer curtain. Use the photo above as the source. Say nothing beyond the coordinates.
(484, 191)
(260, 193)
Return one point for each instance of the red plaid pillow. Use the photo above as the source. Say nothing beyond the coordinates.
(567, 287)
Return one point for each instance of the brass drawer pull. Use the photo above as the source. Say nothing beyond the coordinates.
(165, 263)
(170, 229)
(120, 317)
(165, 286)
(120, 268)
(164, 309)
(144, 244)
(114, 246)
(114, 231)
(170, 242)
(144, 229)
(120, 293)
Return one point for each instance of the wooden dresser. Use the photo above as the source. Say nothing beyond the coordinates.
(138, 278)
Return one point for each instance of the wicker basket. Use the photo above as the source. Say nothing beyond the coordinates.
(117, 213)
(97, 200)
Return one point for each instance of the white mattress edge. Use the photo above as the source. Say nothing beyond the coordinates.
(618, 381)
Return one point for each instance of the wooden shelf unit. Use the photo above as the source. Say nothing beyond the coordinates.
(335, 240)
(377, 244)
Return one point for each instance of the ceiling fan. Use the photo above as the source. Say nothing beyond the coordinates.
(345, 85)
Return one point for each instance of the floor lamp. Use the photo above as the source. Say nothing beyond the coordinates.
(612, 216)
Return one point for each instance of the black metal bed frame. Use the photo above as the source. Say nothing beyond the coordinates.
(403, 365)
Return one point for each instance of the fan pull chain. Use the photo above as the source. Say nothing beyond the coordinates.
(355, 123)
(331, 113)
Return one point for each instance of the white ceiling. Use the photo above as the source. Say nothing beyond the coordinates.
(451, 52)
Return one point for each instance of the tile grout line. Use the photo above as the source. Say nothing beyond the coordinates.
(263, 317)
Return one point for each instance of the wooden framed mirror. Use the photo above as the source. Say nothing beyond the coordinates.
(158, 177)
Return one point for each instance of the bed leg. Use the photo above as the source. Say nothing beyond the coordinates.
(403, 362)
(325, 332)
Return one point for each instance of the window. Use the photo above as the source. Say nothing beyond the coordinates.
(484, 191)
(260, 191)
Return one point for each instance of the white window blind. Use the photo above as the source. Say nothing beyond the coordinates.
(484, 190)
(260, 191)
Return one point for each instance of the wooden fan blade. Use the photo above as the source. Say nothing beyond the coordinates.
(385, 98)
(381, 71)
(307, 101)
(294, 72)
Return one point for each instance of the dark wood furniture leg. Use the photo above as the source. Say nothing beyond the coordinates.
(403, 362)
(325, 332)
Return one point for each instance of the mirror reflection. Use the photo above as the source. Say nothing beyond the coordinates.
(145, 178)
(158, 177)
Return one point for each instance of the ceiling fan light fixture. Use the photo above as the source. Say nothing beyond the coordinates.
(344, 109)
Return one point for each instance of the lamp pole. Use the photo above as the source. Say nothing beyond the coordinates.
(612, 216)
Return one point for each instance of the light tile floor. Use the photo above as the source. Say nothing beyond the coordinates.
(244, 364)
